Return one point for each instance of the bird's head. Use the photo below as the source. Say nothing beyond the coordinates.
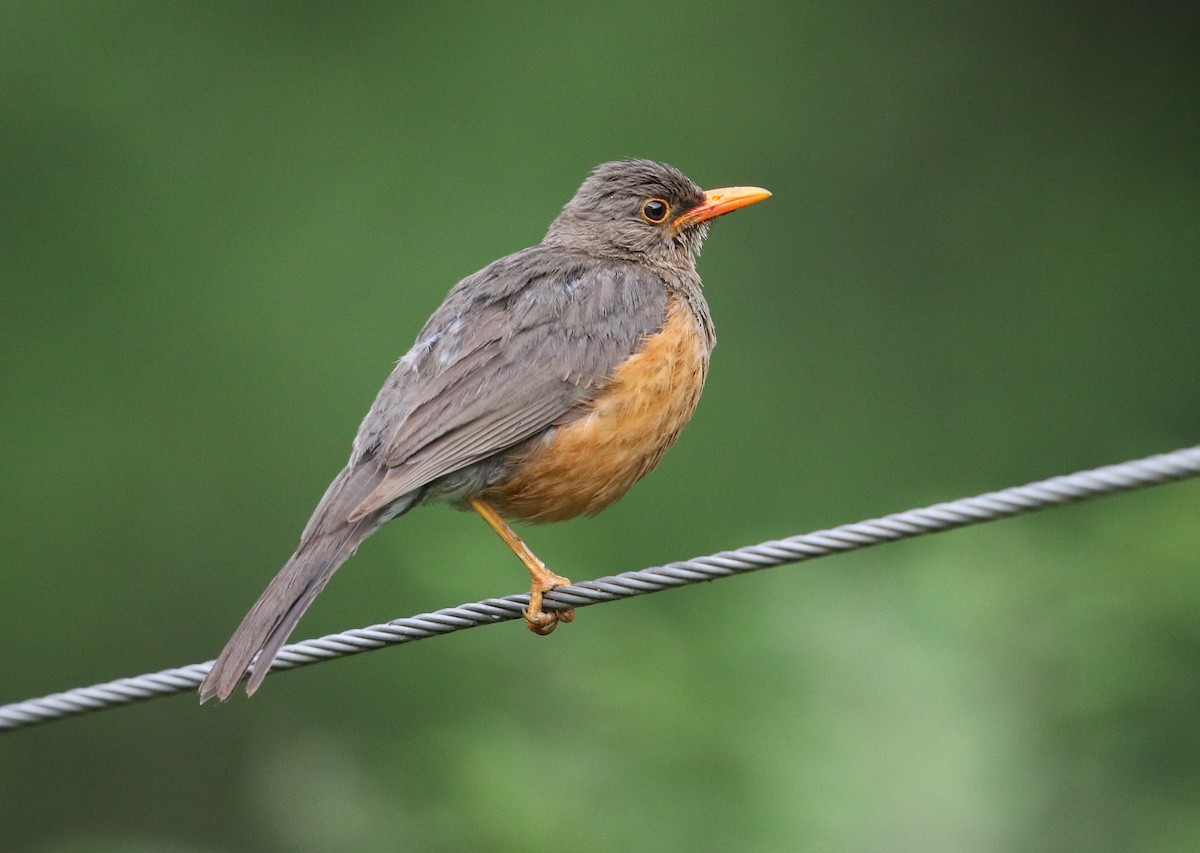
(642, 209)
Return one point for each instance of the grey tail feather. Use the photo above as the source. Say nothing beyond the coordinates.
(274, 616)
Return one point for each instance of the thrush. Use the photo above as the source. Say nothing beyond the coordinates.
(543, 387)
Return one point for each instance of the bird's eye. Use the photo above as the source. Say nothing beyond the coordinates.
(655, 211)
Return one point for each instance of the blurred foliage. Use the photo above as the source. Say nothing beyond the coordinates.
(221, 224)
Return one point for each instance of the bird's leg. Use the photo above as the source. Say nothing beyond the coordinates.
(544, 580)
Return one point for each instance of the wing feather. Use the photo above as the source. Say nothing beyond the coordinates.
(513, 350)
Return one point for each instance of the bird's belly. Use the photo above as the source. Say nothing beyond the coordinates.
(582, 466)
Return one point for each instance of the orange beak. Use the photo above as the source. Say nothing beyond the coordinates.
(720, 201)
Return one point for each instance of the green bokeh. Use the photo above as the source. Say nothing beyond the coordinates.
(221, 223)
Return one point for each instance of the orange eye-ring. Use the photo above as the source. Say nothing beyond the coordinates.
(655, 211)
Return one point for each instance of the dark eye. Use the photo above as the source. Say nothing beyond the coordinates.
(655, 211)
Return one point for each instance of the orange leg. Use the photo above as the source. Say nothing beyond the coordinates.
(544, 580)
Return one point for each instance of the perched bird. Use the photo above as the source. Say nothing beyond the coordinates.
(544, 386)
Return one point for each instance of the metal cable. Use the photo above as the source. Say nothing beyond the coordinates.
(1153, 470)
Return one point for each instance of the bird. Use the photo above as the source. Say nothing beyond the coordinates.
(542, 389)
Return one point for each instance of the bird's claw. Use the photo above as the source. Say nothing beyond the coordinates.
(543, 622)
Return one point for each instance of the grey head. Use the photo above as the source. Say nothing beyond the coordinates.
(634, 209)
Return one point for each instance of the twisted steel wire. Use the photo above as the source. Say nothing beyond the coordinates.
(1153, 470)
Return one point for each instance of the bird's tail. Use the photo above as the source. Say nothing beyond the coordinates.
(273, 617)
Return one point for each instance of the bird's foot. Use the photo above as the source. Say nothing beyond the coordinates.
(539, 621)
(543, 622)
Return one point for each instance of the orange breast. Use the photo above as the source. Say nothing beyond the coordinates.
(583, 466)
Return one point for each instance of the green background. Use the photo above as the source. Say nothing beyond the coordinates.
(221, 224)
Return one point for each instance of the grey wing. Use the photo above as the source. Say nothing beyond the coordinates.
(512, 350)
